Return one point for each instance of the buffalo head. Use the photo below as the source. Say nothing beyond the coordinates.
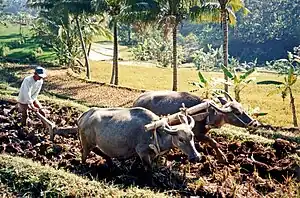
(183, 136)
(232, 113)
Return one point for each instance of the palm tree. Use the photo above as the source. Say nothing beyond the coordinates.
(79, 9)
(120, 11)
(169, 14)
(220, 11)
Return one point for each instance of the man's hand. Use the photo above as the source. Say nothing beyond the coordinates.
(32, 107)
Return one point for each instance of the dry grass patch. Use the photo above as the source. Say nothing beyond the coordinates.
(99, 95)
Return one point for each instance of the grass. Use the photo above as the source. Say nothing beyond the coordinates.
(10, 35)
(154, 78)
(28, 178)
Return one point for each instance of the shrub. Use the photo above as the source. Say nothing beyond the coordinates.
(39, 50)
(4, 50)
(32, 56)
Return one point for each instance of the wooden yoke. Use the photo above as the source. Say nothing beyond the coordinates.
(173, 117)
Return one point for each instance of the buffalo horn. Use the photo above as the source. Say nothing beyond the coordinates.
(223, 110)
(227, 94)
(169, 130)
(192, 124)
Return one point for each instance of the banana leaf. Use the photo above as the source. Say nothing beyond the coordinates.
(270, 82)
(249, 72)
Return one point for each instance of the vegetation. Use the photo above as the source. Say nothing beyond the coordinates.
(285, 88)
(239, 81)
(28, 178)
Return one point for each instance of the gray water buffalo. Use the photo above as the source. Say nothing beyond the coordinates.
(169, 102)
(120, 133)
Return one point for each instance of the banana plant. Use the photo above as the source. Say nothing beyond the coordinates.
(208, 85)
(285, 88)
(239, 81)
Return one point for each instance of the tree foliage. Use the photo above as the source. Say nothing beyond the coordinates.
(267, 32)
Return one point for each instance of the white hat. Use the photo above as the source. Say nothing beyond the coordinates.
(40, 71)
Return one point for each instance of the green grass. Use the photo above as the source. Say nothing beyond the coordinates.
(10, 35)
(28, 178)
(154, 78)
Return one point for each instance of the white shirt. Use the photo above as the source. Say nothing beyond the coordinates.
(29, 90)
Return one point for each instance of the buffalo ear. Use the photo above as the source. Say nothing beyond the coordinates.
(200, 116)
(222, 100)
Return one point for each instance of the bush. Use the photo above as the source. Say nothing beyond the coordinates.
(156, 48)
(17, 43)
(39, 51)
(4, 50)
(32, 56)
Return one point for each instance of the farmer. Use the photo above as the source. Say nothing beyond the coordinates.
(30, 88)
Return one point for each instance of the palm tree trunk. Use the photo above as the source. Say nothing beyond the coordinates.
(89, 49)
(175, 80)
(225, 42)
(114, 77)
(129, 34)
(88, 73)
(293, 108)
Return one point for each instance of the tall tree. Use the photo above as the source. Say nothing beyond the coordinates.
(125, 11)
(169, 14)
(220, 11)
(75, 8)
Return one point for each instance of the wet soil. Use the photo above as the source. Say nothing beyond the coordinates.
(255, 169)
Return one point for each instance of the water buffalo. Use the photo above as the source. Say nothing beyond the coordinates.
(169, 102)
(120, 133)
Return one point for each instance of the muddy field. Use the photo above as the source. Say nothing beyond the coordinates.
(253, 170)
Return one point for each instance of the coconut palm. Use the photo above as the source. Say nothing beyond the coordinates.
(220, 11)
(168, 14)
(125, 11)
(79, 10)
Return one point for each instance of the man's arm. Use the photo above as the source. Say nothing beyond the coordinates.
(36, 93)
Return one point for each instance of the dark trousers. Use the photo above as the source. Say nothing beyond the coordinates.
(23, 109)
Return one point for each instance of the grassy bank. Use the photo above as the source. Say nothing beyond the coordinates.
(23, 46)
(28, 178)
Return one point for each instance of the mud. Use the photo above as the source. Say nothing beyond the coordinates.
(256, 169)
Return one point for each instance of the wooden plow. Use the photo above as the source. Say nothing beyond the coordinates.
(53, 129)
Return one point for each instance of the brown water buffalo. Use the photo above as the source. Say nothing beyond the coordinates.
(169, 102)
(120, 133)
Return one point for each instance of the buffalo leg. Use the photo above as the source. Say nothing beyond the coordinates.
(85, 152)
(144, 153)
(108, 160)
(206, 139)
(85, 147)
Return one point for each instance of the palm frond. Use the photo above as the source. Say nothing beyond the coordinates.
(208, 12)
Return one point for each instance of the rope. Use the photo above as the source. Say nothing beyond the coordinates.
(156, 140)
